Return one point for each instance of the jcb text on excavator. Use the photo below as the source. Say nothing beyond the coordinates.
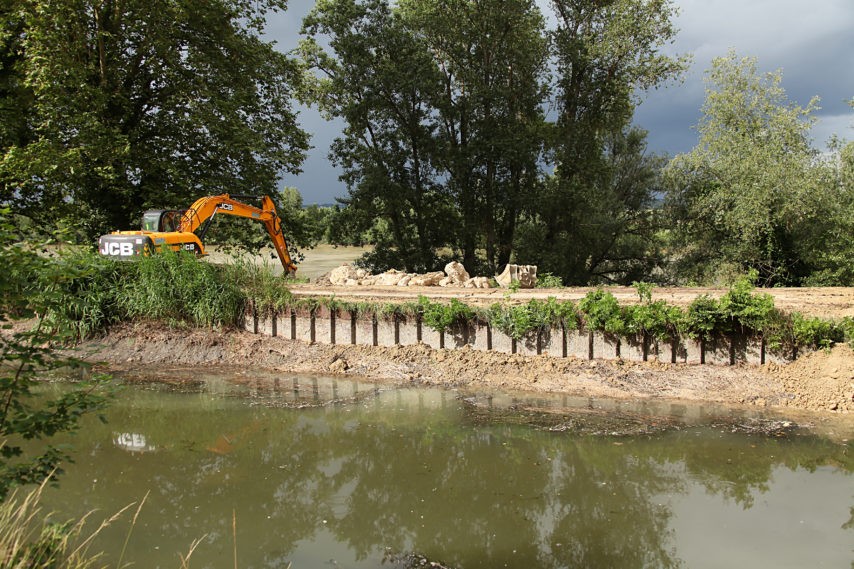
(176, 230)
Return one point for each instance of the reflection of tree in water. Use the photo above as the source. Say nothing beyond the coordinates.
(412, 479)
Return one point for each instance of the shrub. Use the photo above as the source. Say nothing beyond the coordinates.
(442, 317)
(602, 312)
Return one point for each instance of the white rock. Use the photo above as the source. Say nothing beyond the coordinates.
(525, 275)
(427, 279)
(456, 272)
(477, 282)
(446, 282)
(339, 275)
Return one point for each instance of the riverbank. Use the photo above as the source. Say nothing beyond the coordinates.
(820, 381)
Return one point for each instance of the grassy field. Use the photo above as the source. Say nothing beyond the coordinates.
(317, 262)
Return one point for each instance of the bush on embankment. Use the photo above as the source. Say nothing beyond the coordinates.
(178, 289)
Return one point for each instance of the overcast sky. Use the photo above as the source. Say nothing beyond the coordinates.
(812, 43)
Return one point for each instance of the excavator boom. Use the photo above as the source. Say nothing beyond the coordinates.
(125, 244)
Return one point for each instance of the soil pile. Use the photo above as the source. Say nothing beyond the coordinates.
(820, 381)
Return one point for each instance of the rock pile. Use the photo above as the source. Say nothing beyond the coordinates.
(455, 275)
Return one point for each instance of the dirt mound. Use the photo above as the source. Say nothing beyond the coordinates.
(819, 381)
(822, 380)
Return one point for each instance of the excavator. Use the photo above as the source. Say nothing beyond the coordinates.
(176, 229)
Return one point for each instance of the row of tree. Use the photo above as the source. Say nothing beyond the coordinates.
(486, 130)
(493, 131)
(465, 118)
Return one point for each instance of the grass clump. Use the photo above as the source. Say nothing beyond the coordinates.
(176, 287)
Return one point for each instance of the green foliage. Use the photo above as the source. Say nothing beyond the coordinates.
(752, 194)
(703, 318)
(177, 287)
(446, 135)
(31, 287)
(135, 104)
(548, 280)
(816, 333)
(260, 284)
(745, 311)
(443, 317)
(519, 320)
(654, 319)
(601, 311)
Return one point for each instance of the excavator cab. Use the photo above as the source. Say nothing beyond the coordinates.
(161, 219)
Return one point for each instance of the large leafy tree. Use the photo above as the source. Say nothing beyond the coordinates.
(379, 79)
(606, 54)
(752, 194)
(491, 57)
(614, 238)
(441, 102)
(138, 103)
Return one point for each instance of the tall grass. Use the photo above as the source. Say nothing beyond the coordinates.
(29, 540)
(176, 287)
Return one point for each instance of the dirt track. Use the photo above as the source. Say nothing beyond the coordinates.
(826, 302)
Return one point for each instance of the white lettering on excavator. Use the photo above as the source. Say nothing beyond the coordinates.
(226, 206)
(120, 249)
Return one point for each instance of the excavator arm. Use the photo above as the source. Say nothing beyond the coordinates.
(205, 208)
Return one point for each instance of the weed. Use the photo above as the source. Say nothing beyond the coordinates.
(548, 280)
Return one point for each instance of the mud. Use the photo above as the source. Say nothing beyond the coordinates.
(821, 381)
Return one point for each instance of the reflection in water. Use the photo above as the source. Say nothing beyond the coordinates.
(133, 442)
(381, 474)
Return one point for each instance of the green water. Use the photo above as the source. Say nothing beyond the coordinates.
(323, 473)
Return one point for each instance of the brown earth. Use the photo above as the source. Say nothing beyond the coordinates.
(820, 381)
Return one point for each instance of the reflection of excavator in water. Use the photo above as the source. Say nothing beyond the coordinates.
(175, 230)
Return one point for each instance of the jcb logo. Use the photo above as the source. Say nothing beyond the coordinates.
(226, 207)
(117, 249)
(189, 247)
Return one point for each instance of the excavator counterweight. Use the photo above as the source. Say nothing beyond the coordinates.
(177, 230)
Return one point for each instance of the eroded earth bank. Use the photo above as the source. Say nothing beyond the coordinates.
(821, 381)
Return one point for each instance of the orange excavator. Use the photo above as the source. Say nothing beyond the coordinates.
(176, 229)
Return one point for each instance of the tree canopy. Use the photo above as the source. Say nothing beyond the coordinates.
(450, 139)
(112, 107)
(754, 193)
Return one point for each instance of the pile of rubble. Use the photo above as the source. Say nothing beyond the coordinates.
(455, 275)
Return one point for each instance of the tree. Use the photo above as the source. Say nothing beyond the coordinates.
(138, 104)
(379, 79)
(491, 58)
(752, 194)
(614, 239)
(605, 53)
(442, 106)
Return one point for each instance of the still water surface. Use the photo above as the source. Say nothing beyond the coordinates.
(470, 481)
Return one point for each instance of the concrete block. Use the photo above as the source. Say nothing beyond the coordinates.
(408, 331)
(501, 342)
(717, 351)
(481, 337)
(552, 342)
(578, 344)
(386, 332)
(365, 330)
(632, 348)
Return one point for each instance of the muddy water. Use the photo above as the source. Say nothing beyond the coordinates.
(321, 473)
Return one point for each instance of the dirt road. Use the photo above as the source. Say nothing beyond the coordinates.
(825, 302)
